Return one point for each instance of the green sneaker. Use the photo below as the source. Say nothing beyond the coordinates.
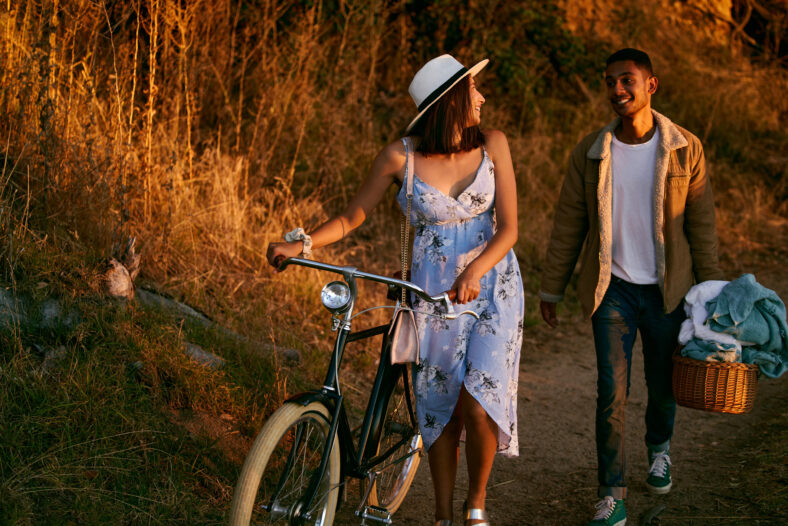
(609, 512)
(658, 480)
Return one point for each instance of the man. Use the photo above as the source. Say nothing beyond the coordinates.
(636, 195)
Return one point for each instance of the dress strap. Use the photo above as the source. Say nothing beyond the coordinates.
(408, 180)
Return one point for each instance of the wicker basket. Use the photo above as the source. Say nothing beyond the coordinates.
(714, 386)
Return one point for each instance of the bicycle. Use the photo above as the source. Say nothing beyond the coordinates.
(297, 466)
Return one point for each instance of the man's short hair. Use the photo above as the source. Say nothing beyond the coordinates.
(640, 58)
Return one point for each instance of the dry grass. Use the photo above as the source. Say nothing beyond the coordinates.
(208, 128)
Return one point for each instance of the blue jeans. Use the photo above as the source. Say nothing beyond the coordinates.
(626, 309)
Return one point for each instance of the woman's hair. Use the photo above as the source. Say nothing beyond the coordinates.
(438, 126)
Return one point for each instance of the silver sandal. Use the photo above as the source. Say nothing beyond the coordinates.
(475, 514)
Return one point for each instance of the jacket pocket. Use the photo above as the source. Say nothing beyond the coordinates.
(677, 164)
(676, 179)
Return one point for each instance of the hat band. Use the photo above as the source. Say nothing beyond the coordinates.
(432, 97)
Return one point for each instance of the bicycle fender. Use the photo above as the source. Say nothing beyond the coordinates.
(306, 398)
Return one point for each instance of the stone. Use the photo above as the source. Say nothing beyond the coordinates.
(291, 356)
(150, 299)
(49, 310)
(52, 357)
(201, 356)
(10, 309)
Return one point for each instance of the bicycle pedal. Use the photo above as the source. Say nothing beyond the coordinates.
(374, 514)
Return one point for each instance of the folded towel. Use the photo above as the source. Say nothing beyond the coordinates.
(709, 351)
(755, 316)
(695, 325)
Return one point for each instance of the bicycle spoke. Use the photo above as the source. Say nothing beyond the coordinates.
(303, 463)
(398, 450)
(291, 469)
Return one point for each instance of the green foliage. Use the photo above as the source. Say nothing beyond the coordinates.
(87, 444)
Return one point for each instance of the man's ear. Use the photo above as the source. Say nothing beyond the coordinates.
(653, 84)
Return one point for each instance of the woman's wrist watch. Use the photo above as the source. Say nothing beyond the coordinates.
(300, 235)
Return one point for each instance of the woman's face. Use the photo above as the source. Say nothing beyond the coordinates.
(476, 105)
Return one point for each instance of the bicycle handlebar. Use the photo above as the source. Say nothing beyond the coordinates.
(353, 272)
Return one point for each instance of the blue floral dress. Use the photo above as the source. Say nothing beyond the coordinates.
(483, 354)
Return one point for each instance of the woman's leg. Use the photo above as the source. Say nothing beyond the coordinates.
(481, 443)
(443, 456)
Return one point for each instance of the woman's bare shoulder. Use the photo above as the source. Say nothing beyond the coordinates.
(493, 136)
(394, 151)
(495, 143)
(390, 161)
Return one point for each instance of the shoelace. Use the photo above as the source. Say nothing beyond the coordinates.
(604, 508)
(660, 464)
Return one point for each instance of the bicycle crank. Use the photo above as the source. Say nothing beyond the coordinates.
(375, 515)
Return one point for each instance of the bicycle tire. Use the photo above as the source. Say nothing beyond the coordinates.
(395, 478)
(271, 459)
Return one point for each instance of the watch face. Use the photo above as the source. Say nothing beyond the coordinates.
(335, 295)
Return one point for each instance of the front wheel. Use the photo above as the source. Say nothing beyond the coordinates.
(280, 467)
(400, 437)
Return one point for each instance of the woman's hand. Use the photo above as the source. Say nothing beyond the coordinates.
(278, 252)
(467, 286)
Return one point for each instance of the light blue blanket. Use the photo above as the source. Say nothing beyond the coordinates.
(711, 351)
(755, 315)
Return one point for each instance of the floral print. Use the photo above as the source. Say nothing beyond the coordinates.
(431, 247)
(431, 378)
(481, 384)
(483, 354)
(509, 284)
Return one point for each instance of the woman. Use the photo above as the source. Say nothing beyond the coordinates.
(464, 210)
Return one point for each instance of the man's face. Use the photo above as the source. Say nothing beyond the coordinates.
(629, 88)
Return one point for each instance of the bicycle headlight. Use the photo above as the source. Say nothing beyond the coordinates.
(336, 296)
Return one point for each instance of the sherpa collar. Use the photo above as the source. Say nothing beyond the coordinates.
(670, 137)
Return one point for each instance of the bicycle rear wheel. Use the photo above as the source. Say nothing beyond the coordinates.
(280, 467)
(399, 431)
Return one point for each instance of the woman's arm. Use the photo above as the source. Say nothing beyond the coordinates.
(386, 169)
(467, 284)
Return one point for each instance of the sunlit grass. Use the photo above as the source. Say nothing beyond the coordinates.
(207, 137)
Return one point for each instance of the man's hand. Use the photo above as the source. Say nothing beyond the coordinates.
(548, 313)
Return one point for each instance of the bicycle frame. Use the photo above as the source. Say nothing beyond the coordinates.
(357, 460)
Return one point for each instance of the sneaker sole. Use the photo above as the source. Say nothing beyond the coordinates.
(659, 491)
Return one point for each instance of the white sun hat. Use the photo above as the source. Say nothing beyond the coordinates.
(435, 78)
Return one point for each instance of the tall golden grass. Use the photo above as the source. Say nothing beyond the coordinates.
(208, 128)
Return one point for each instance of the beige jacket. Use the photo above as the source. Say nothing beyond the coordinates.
(686, 237)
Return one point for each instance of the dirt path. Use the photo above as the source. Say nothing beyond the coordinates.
(553, 481)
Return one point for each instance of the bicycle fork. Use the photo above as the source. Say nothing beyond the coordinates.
(299, 512)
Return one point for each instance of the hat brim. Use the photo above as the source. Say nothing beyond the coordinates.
(471, 71)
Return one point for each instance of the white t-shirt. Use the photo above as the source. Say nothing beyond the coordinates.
(634, 252)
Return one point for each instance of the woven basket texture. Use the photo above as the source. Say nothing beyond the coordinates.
(714, 386)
